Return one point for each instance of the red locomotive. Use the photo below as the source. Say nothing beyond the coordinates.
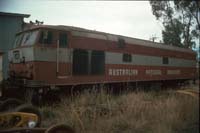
(56, 56)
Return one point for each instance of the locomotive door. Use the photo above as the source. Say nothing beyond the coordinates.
(62, 57)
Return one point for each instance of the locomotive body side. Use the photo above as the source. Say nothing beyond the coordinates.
(73, 57)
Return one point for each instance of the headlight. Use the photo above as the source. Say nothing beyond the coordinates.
(31, 124)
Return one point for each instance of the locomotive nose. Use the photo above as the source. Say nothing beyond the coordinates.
(21, 70)
(19, 65)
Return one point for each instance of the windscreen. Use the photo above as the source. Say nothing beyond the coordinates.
(26, 39)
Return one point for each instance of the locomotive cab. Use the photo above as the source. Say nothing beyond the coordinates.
(22, 54)
(35, 51)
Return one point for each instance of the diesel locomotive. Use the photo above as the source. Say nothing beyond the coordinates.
(47, 56)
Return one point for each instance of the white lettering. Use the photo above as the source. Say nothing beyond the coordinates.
(122, 72)
(110, 72)
(127, 72)
(153, 72)
(170, 72)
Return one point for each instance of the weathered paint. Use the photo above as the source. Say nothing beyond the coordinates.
(65, 56)
(116, 58)
(49, 54)
(43, 62)
(96, 44)
(27, 52)
(46, 71)
(128, 40)
(86, 33)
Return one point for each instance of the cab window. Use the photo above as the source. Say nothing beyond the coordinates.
(29, 38)
(63, 40)
(46, 37)
(25, 39)
(18, 40)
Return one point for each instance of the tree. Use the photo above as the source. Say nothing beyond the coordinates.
(172, 33)
(180, 21)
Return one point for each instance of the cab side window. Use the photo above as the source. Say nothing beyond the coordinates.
(63, 40)
(165, 60)
(46, 37)
(127, 58)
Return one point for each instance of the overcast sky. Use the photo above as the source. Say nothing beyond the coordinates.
(129, 18)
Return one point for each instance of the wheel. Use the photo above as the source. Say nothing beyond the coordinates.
(60, 128)
(28, 108)
(10, 104)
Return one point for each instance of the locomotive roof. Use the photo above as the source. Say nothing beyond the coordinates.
(112, 37)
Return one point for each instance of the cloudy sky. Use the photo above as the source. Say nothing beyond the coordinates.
(129, 18)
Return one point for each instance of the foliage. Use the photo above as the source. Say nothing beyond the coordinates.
(180, 20)
(172, 33)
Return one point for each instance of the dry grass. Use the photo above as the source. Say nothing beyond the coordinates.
(142, 112)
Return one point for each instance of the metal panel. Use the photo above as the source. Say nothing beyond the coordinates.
(116, 58)
(26, 52)
(103, 45)
(80, 62)
(89, 35)
(130, 40)
(181, 62)
(113, 58)
(49, 54)
(97, 62)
